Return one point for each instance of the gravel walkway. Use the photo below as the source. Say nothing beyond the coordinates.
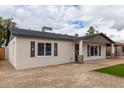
(67, 75)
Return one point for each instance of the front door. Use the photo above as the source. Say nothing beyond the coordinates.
(76, 51)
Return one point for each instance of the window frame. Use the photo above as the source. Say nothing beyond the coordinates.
(92, 50)
(41, 49)
(46, 49)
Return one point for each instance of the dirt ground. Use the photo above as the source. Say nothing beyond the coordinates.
(70, 75)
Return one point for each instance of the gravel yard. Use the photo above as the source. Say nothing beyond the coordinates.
(67, 75)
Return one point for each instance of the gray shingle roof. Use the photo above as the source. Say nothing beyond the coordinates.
(39, 34)
(94, 35)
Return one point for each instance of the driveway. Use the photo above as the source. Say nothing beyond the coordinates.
(67, 75)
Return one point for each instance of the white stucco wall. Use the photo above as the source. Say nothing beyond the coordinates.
(19, 53)
(12, 52)
(6, 53)
(24, 61)
(103, 52)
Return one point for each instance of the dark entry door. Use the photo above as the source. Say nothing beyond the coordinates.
(76, 51)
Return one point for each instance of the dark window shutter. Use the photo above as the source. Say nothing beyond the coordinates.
(88, 50)
(99, 50)
(55, 49)
(32, 49)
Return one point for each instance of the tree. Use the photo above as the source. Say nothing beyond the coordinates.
(2, 35)
(97, 31)
(76, 34)
(4, 24)
(90, 31)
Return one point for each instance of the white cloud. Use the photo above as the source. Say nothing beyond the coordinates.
(106, 19)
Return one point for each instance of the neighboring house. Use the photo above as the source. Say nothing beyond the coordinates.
(30, 49)
(119, 49)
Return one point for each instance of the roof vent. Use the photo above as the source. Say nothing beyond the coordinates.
(46, 28)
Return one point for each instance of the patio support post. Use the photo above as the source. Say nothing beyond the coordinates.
(80, 56)
(112, 51)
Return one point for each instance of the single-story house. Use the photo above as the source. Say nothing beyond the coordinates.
(31, 49)
(119, 49)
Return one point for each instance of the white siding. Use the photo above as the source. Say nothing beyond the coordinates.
(6, 53)
(24, 61)
(12, 52)
(103, 52)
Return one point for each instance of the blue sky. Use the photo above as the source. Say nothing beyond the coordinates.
(79, 24)
(69, 19)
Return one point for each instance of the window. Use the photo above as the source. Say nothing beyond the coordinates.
(92, 51)
(32, 49)
(96, 50)
(99, 50)
(48, 49)
(122, 49)
(88, 50)
(44, 49)
(40, 49)
(55, 49)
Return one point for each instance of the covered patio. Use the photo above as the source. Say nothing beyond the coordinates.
(94, 47)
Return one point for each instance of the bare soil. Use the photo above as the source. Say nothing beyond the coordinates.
(71, 75)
